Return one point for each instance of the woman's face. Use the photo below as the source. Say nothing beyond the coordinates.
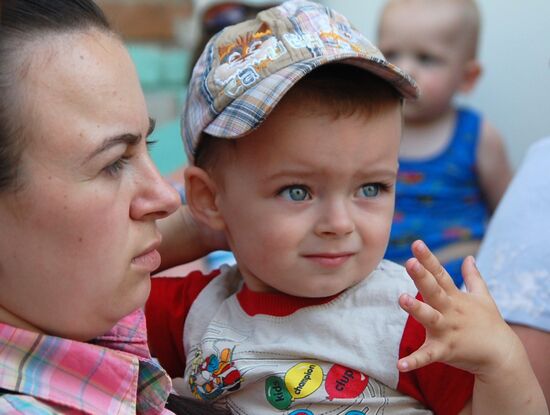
(78, 239)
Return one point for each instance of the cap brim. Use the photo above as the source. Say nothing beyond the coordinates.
(249, 110)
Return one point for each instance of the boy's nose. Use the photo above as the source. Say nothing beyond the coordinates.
(335, 220)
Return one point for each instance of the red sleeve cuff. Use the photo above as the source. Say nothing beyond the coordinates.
(166, 310)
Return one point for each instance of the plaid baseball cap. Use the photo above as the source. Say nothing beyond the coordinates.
(246, 69)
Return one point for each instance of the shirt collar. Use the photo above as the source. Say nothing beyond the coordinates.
(276, 304)
(111, 374)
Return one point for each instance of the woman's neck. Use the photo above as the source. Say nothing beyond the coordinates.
(7, 317)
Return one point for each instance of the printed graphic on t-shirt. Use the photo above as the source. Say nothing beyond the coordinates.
(261, 383)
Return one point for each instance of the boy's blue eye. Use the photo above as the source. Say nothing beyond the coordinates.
(295, 193)
(370, 190)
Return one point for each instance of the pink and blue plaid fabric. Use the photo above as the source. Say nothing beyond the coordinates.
(113, 374)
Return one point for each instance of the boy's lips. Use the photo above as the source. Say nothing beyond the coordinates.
(329, 259)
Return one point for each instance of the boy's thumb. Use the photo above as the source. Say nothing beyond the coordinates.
(472, 278)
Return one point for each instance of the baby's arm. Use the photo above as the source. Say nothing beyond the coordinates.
(465, 330)
(185, 239)
(492, 165)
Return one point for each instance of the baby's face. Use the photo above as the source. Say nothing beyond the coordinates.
(307, 200)
(427, 43)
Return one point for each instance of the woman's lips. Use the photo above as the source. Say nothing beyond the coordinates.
(149, 261)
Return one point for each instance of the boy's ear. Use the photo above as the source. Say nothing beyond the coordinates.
(202, 197)
(472, 72)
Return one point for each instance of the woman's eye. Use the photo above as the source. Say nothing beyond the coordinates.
(114, 168)
(295, 193)
(370, 190)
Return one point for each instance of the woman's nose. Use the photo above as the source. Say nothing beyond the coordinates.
(156, 198)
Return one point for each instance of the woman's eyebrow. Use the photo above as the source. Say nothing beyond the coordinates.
(126, 138)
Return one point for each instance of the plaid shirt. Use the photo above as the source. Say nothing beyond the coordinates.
(113, 374)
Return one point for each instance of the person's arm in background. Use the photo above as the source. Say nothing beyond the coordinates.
(515, 262)
(185, 240)
(495, 174)
(492, 165)
(537, 344)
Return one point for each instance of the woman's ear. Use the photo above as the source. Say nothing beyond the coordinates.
(202, 197)
(472, 72)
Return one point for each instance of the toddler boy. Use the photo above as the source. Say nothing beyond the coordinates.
(293, 124)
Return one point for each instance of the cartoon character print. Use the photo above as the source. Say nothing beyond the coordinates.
(241, 61)
(245, 47)
(212, 376)
(340, 41)
(307, 378)
(287, 387)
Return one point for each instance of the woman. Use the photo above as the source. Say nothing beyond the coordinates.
(79, 201)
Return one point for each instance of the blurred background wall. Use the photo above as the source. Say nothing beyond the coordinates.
(513, 91)
(152, 31)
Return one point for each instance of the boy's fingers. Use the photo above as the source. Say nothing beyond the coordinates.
(427, 354)
(427, 285)
(472, 278)
(432, 265)
(422, 312)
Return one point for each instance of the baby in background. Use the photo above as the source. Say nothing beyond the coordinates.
(453, 167)
(293, 125)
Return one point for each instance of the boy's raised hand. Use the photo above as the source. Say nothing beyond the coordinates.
(463, 329)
